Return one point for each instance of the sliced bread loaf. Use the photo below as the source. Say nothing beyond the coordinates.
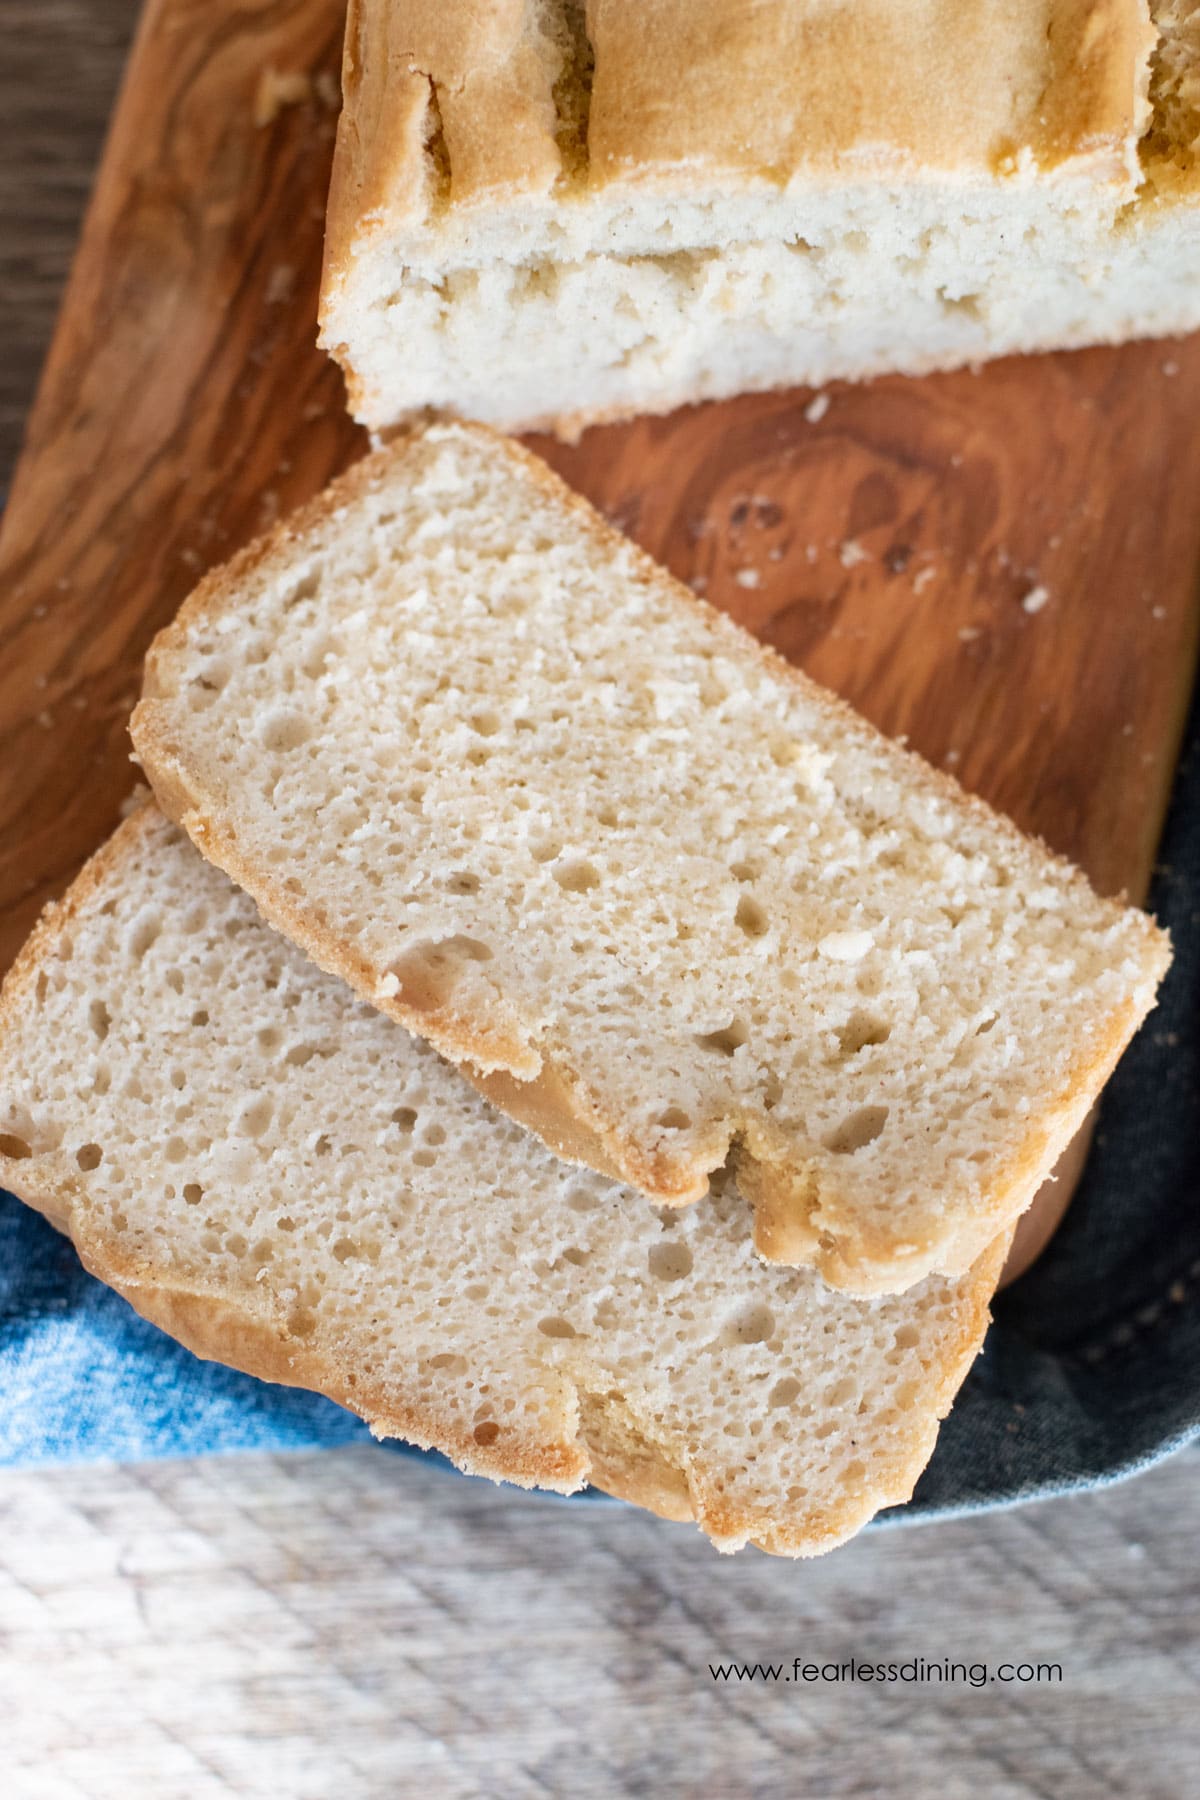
(660, 894)
(544, 213)
(286, 1181)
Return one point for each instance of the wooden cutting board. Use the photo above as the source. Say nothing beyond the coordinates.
(1000, 566)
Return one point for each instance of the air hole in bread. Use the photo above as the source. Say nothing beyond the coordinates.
(727, 1041)
(89, 1157)
(213, 676)
(200, 1016)
(15, 1148)
(674, 1119)
(448, 1360)
(193, 1193)
(99, 1018)
(146, 928)
(861, 1030)
(785, 1391)
(577, 876)
(431, 970)
(463, 882)
(857, 1131)
(484, 724)
(345, 1249)
(982, 1029)
(669, 1262)
(306, 588)
(254, 1118)
(751, 917)
(753, 1325)
(405, 1118)
(433, 1134)
(583, 1200)
(487, 1432)
(174, 980)
(556, 1328)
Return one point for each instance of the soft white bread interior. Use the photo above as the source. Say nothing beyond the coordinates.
(551, 214)
(662, 896)
(288, 1182)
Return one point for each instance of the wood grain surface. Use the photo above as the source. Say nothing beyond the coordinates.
(352, 1624)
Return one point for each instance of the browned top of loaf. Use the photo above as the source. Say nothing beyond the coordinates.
(448, 106)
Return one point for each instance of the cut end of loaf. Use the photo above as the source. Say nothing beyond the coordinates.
(546, 251)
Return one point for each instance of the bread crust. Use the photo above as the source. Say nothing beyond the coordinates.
(693, 95)
(610, 1451)
(599, 1436)
(696, 89)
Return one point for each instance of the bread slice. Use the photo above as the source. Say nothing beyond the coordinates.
(540, 218)
(662, 896)
(287, 1181)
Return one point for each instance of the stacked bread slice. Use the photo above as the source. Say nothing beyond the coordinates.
(287, 1181)
(800, 1027)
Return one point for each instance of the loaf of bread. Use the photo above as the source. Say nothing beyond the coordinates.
(544, 214)
(665, 899)
(288, 1182)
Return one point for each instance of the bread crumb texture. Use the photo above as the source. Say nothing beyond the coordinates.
(672, 903)
(558, 216)
(290, 1183)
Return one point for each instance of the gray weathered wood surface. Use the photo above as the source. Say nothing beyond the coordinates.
(355, 1625)
(334, 1626)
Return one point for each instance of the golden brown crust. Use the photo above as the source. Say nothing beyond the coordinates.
(700, 89)
(440, 103)
(792, 1224)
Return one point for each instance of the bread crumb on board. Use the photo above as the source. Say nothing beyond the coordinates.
(281, 88)
(1035, 599)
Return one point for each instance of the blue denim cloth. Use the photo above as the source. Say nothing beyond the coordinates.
(1091, 1369)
